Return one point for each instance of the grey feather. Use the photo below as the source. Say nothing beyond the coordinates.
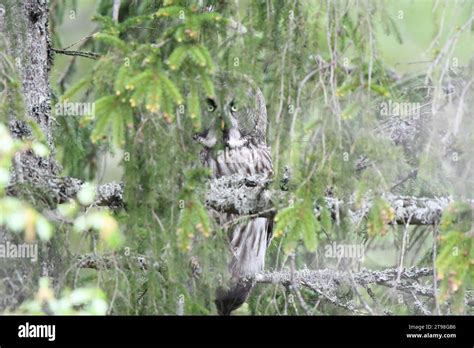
(240, 147)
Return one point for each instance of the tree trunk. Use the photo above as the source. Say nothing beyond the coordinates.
(25, 27)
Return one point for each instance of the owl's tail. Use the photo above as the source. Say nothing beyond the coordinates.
(232, 298)
(249, 243)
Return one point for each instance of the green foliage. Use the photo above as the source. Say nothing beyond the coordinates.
(112, 40)
(193, 214)
(80, 301)
(300, 223)
(455, 261)
(324, 69)
(16, 215)
(143, 86)
(193, 218)
(380, 214)
(77, 87)
(112, 114)
(143, 81)
(194, 107)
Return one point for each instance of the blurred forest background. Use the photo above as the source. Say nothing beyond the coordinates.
(329, 70)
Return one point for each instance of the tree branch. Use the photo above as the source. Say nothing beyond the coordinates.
(326, 282)
(85, 54)
(249, 195)
(329, 278)
(110, 261)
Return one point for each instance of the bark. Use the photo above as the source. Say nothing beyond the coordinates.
(28, 43)
(328, 282)
(26, 23)
(249, 195)
(25, 28)
(62, 189)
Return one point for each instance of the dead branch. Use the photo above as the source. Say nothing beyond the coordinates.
(110, 261)
(85, 54)
(249, 195)
(326, 282)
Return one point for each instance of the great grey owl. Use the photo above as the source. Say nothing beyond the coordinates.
(234, 142)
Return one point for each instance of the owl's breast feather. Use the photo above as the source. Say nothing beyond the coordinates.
(247, 160)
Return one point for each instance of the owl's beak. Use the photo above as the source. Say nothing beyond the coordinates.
(226, 121)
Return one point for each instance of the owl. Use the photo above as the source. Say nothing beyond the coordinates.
(234, 142)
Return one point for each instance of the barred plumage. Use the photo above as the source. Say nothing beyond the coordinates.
(247, 160)
(234, 142)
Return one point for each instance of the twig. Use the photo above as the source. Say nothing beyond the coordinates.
(435, 275)
(85, 54)
(411, 175)
(403, 250)
(419, 305)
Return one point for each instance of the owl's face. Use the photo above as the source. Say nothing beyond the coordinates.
(235, 115)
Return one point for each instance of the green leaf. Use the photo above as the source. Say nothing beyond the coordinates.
(209, 18)
(121, 79)
(177, 57)
(179, 34)
(154, 96)
(118, 131)
(380, 89)
(104, 104)
(168, 108)
(111, 40)
(86, 194)
(196, 54)
(207, 85)
(170, 88)
(291, 239)
(139, 94)
(194, 108)
(171, 11)
(139, 79)
(310, 228)
(43, 228)
(74, 89)
(104, 108)
(326, 221)
(204, 52)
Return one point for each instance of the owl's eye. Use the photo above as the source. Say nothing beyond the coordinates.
(211, 105)
(233, 108)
